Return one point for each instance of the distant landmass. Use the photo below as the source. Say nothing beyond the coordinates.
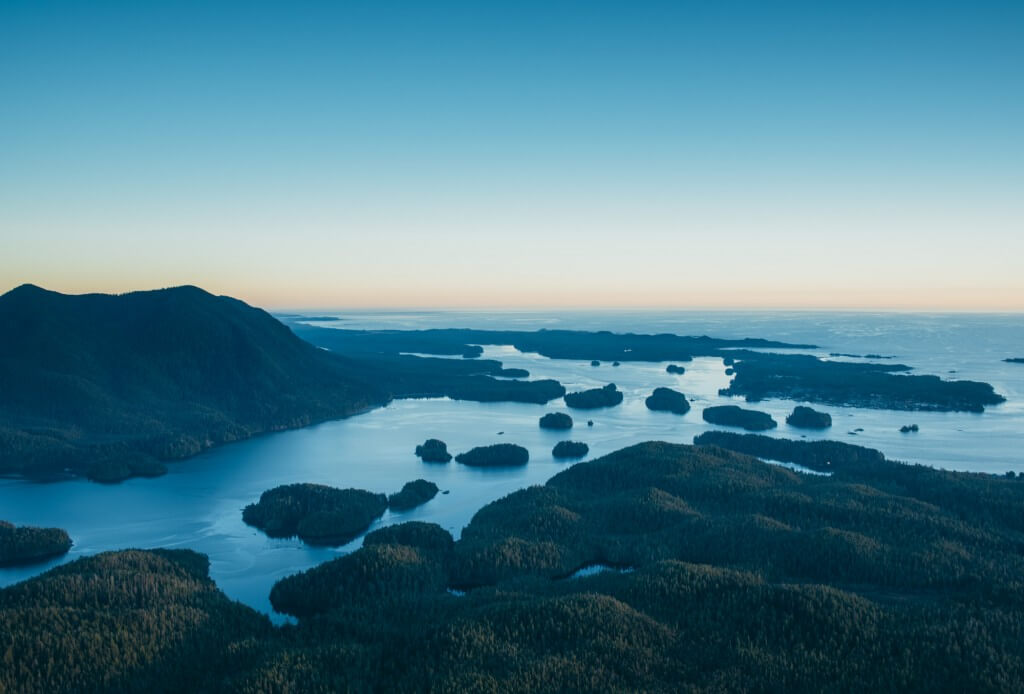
(555, 344)
(758, 374)
(884, 386)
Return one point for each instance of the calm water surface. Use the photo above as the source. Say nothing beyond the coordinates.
(198, 504)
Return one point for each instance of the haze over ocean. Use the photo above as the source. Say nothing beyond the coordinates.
(571, 154)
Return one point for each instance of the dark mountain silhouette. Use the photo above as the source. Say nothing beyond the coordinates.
(109, 384)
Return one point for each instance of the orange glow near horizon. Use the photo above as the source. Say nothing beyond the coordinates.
(688, 252)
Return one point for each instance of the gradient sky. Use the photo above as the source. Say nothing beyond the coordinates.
(520, 154)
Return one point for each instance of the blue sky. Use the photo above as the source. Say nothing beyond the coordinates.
(518, 154)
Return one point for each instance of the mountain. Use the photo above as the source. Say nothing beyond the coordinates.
(109, 385)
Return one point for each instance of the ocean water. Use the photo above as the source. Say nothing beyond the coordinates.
(198, 504)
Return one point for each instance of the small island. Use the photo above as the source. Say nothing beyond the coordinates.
(413, 494)
(29, 545)
(512, 373)
(496, 455)
(733, 416)
(909, 429)
(809, 418)
(667, 400)
(556, 420)
(570, 449)
(595, 362)
(433, 451)
(1014, 360)
(609, 396)
(675, 369)
(318, 514)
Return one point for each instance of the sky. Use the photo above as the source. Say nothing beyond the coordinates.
(521, 154)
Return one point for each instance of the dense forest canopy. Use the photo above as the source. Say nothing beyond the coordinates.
(743, 576)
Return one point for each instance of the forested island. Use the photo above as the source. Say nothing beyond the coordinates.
(808, 418)
(881, 576)
(667, 400)
(608, 396)
(675, 369)
(496, 455)
(433, 451)
(556, 420)
(733, 416)
(569, 449)
(1014, 360)
(318, 514)
(29, 545)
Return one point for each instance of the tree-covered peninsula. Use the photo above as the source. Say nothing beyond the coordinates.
(29, 545)
(412, 494)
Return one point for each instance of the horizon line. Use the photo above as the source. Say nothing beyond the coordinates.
(282, 309)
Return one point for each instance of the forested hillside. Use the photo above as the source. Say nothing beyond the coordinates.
(723, 573)
(108, 385)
